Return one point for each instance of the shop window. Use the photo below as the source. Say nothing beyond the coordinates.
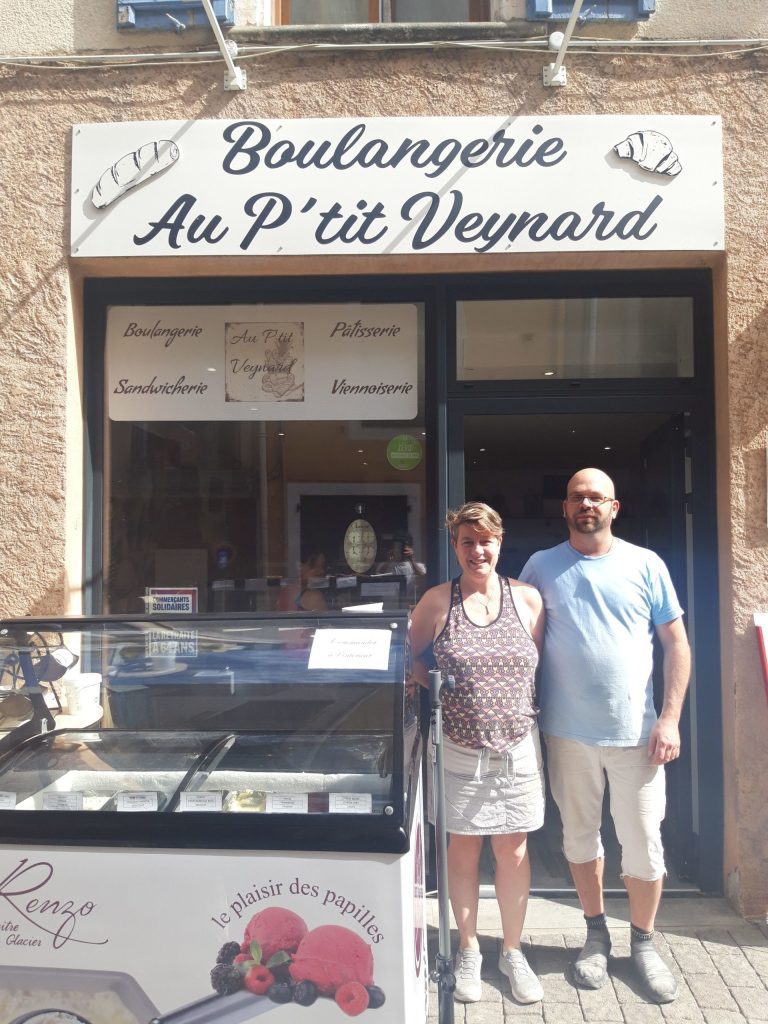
(171, 15)
(233, 472)
(557, 339)
(592, 10)
(362, 12)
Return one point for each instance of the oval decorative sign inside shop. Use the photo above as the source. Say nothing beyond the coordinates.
(360, 545)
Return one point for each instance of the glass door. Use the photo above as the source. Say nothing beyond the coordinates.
(520, 465)
(553, 372)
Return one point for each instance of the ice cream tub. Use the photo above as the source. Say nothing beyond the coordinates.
(82, 691)
(100, 997)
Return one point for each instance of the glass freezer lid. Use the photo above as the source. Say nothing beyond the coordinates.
(106, 770)
(289, 672)
(299, 774)
(301, 717)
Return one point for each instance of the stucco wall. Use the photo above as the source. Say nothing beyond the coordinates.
(40, 294)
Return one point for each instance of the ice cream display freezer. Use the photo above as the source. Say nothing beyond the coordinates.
(234, 829)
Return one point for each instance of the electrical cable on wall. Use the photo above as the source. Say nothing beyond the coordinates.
(713, 49)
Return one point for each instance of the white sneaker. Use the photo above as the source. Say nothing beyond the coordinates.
(466, 967)
(526, 987)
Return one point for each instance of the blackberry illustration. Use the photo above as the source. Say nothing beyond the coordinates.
(280, 971)
(226, 979)
(228, 952)
(281, 992)
(305, 993)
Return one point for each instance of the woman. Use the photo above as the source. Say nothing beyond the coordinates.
(302, 596)
(485, 630)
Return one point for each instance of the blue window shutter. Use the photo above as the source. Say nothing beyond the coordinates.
(170, 15)
(592, 10)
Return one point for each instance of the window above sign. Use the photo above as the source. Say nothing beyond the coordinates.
(362, 12)
(567, 338)
(178, 15)
(365, 12)
(171, 15)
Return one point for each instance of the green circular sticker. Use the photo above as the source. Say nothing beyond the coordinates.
(404, 452)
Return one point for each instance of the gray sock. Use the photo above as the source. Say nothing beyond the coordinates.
(591, 967)
(657, 980)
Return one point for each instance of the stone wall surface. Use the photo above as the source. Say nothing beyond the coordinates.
(37, 110)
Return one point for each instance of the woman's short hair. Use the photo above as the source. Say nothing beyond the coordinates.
(476, 514)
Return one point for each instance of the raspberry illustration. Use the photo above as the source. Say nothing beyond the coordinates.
(258, 980)
(352, 997)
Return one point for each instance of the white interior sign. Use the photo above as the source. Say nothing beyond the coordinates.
(397, 185)
(324, 362)
(359, 649)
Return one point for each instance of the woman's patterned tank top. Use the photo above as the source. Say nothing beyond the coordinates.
(493, 702)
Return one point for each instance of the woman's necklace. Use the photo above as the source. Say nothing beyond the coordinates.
(486, 600)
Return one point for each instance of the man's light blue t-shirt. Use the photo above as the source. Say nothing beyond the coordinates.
(596, 673)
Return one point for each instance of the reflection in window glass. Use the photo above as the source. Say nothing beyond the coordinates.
(262, 514)
(329, 12)
(355, 12)
(430, 11)
(530, 339)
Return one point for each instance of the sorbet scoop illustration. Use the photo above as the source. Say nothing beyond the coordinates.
(281, 959)
(330, 956)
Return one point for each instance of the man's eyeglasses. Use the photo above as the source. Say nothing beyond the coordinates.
(587, 499)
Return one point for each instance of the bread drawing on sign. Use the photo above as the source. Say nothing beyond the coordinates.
(650, 150)
(265, 362)
(132, 169)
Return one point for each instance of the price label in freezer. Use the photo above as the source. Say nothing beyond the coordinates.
(354, 649)
(53, 801)
(137, 801)
(287, 803)
(201, 801)
(350, 803)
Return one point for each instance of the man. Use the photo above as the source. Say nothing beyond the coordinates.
(604, 599)
(400, 560)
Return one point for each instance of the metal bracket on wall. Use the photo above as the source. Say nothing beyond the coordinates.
(235, 79)
(555, 74)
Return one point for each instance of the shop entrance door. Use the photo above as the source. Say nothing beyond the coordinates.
(520, 464)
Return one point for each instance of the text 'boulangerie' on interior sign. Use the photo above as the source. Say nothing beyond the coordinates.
(397, 185)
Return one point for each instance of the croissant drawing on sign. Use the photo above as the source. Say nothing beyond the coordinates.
(650, 150)
(132, 169)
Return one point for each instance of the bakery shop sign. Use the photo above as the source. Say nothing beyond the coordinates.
(397, 185)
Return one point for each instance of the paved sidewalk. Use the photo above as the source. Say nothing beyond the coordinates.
(720, 960)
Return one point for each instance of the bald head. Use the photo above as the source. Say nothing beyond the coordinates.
(591, 481)
(589, 508)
